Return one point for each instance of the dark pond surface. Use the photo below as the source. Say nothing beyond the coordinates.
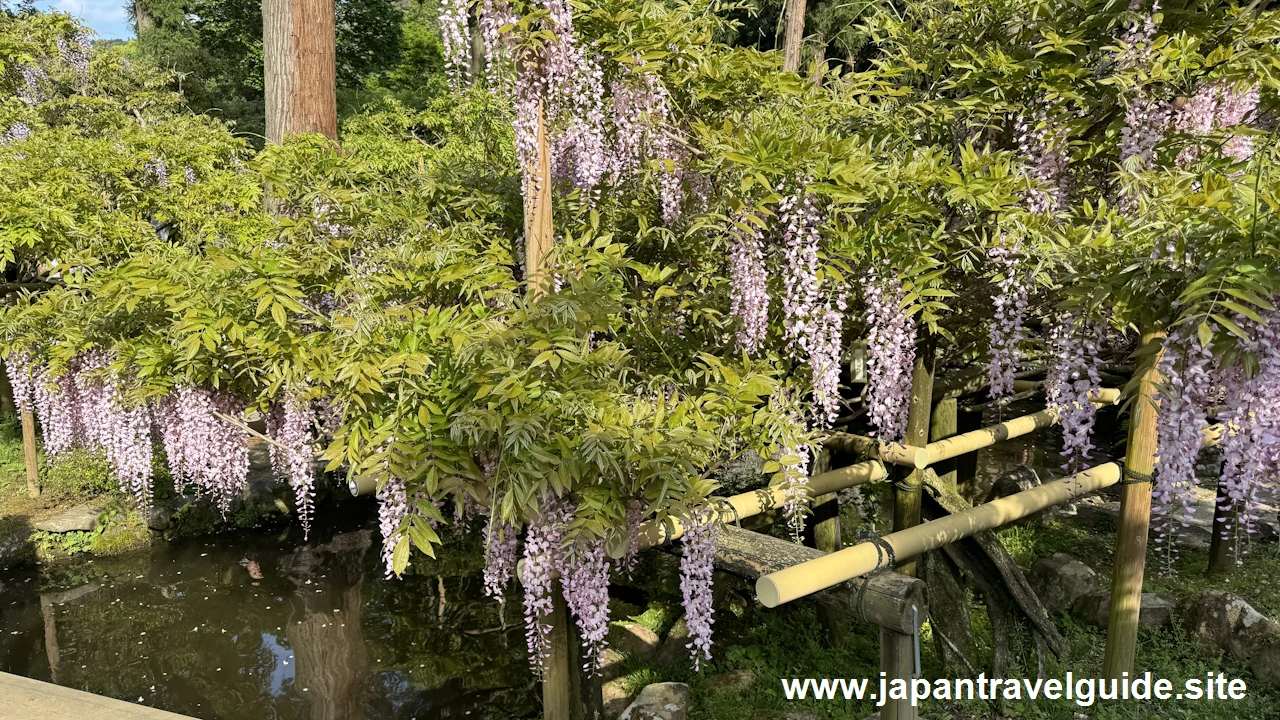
(263, 624)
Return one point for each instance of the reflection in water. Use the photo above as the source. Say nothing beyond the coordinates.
(260, 625)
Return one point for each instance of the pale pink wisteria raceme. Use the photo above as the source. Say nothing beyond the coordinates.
(1214, 106)
(795, 488)
(1075, 365)
(634, 517)
(456, 38)
(203, 449)
(18, 366)
(1006, 329)
(500, 558)
(543, 557)
(696, 582)
(585, 579)
(891, 354)
(1185, 372)
(17, 132)
(289, 423)
(393, 509)
(1042, 140)
(748, 283)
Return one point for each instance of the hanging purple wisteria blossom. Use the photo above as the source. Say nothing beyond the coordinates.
(1216, 105)
(795, 489)
(393, 508)
(1006, 331)
(33, 80)
(203, 449)
(500, 558)
(696, 582)
(1184, 388)
(1042, 140)
(17, 132)
(123, 432)
(157, 172)
(1251, 441)
(18, 367)
(1074, 374)
(57, 404)
(457, 46)
(585, 578)
(748, 278)
(289, 423)
(891, 355)
(542, 558)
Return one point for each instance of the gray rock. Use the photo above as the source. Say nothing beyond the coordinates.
(615, 699)
(81, 518)
(73, 594)
(734, 681)
(633, 639)
(1061, 580)
(160, 516)
(1015, 481)
(1221, 621)
(673, 652)
(660, 701)
(1097, 515)
(1156, 609)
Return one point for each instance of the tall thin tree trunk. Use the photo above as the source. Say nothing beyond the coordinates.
(794, 36)
(298, 47)
(29, 452)
(142, 21)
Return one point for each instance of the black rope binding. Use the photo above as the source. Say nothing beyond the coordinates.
(1133, 477)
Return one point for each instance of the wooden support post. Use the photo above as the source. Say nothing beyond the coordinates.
(1135, 516)
(300, 64)
(942, 425)
(823, 533)
(539, 235)
(897, 661)
(1222, 547)
(557, 681)
(967, 464)
(906, 491)
(794, 38)
(29, 452)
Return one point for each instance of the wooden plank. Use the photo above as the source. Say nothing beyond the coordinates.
(27, 699)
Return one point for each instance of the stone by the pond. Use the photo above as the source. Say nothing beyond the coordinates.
(735, 681)
(1061, 580)
(1018, 480)
(673, 652)
(1094, 609)
(1221, 621)
(615, 698)
(660, 701)
(82, 518)
(159, 517)
(631, 638)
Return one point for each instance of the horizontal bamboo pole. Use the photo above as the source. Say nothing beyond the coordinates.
(810, 577)
(807, 578)
(750, 504)
(936, 452)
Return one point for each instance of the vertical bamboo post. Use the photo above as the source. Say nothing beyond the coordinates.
(29, 452)
(557, 679)
(1135, 517)
(794, 36)
(942, 425)
(897, 651)
(1222, 547)
(823, 533)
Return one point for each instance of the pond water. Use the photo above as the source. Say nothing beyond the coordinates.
(262, 624)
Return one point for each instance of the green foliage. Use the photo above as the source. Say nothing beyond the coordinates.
(78, 474)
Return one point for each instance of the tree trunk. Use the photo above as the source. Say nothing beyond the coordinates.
(1222, 547)
(6, 392)
(142, 21)
(794, 35)
(298, 47)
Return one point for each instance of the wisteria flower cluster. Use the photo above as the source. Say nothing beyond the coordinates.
(17, 132)
(500, 558)
(1216, 106)
(203, 449)
(543, 558)
(585, 579)
(891, 355)
(393, 508)
(1185, 372)
(1074, 373)
(748, 284)
(457, 46)
(1042, 140)
(1006, 331)
(696, 582)
(795, 488)
(289, 423)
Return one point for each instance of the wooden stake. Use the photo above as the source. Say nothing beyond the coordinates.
(29, 452)
(794, 37)
(942, 425)
(300, 64)
(1135, 518)
(906, 492)
(557, 682)
(539, 235)
(967, 465)
(823, 533)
